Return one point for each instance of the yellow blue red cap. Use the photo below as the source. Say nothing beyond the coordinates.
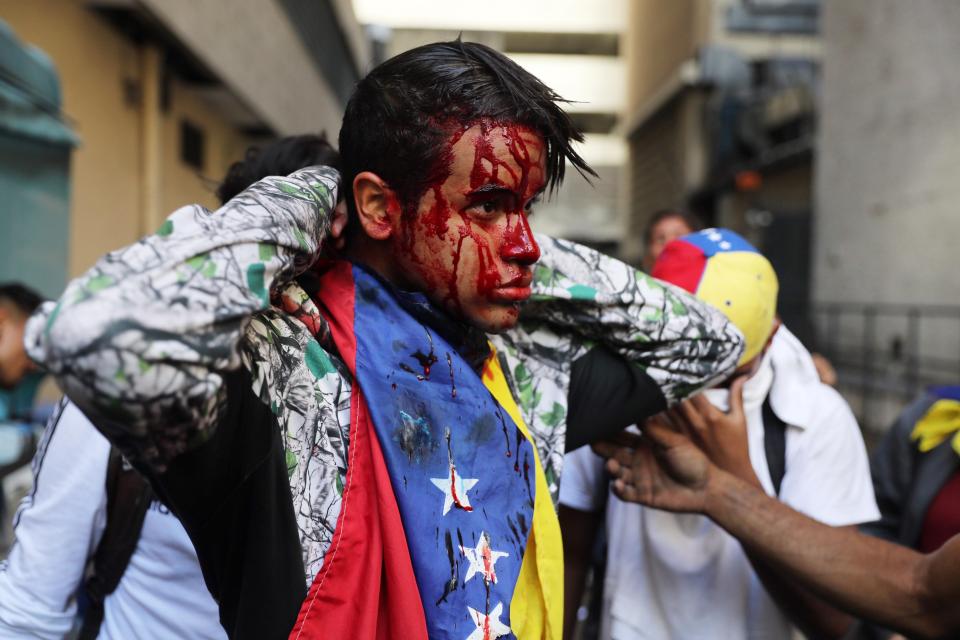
(721, 268)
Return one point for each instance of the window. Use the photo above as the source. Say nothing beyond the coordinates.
(192, 145)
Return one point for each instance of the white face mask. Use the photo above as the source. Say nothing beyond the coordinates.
(754, 391)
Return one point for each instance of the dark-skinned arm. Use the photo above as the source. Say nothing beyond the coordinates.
(873, 579)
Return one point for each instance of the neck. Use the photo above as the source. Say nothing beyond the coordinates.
(376, 255)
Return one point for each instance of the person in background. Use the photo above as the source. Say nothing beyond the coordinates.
(663, 227)
(916, 478)
(676, 576)
(89, 509)
(19, 376)
(666, 225)
(20, 379)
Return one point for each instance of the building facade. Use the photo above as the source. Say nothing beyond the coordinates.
(163, 95)
(887, 194)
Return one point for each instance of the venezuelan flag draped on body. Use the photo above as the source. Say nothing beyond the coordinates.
(446, 528)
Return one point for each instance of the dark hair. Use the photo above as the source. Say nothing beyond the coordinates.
(402, 113)
(279, 158)
(25, 299)
(691, 221)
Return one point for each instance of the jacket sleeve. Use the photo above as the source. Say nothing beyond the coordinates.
(57, 528)
(680, 342)
(140, 341)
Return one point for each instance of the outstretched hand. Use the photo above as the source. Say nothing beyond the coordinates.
(661, 468)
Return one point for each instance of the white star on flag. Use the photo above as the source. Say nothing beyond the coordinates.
(489, 626)
(482, 559)
(455, 490)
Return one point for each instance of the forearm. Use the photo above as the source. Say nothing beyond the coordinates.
(865, 576)
(140, 340)
(813, 616)
(679, 341)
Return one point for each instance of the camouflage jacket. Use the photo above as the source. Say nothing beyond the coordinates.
(143, 340)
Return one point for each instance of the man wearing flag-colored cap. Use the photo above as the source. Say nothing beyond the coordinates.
(367, 443)
(671, 575)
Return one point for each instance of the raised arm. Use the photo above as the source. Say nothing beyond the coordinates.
(681, 343)
(139, 341)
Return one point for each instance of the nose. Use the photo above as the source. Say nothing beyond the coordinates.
(519, 244)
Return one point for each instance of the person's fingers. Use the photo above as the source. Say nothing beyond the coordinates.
(736, 397)
(661, 435)
(604, 448)
(705, 407)
(694, 417)
(677, 421)
(618, 470)
(626, 492)
(612, 466)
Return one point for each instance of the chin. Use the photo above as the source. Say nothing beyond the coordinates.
(496, 320)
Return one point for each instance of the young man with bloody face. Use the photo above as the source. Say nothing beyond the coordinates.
(467, 241)
(363, 432)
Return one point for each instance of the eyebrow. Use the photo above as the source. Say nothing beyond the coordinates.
(499, 189)
(493, 189)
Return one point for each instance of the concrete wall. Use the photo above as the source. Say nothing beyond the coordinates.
(180, 182)
(888, 175)
(92, 61)
(257, 53)
(661, 37)
(106, 171)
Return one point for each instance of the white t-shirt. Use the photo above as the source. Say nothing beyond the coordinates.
(162, 594)
(682, 576)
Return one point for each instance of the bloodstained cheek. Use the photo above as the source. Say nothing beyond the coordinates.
(488, 273)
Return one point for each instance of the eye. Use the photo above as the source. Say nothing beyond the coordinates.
(531, 204)
(487, 208)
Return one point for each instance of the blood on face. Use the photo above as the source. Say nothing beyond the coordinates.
(467, 242)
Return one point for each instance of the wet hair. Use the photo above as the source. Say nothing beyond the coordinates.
(24, 299)
(279, 158)
(689, 219)
(401, 114)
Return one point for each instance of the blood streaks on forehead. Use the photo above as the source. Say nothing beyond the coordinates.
(504, 153)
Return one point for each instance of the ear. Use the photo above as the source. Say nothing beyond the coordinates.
(377, 207)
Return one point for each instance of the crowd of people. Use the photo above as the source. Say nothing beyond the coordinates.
(362, 399)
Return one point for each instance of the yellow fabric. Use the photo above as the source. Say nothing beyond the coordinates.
(744, 286)
(536, 610)
(941, 421)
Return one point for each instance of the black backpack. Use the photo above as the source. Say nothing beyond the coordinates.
(128, 497)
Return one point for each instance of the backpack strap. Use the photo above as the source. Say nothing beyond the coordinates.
(128, 497)
(774, 444)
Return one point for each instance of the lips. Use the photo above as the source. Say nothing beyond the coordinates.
(516, 290)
